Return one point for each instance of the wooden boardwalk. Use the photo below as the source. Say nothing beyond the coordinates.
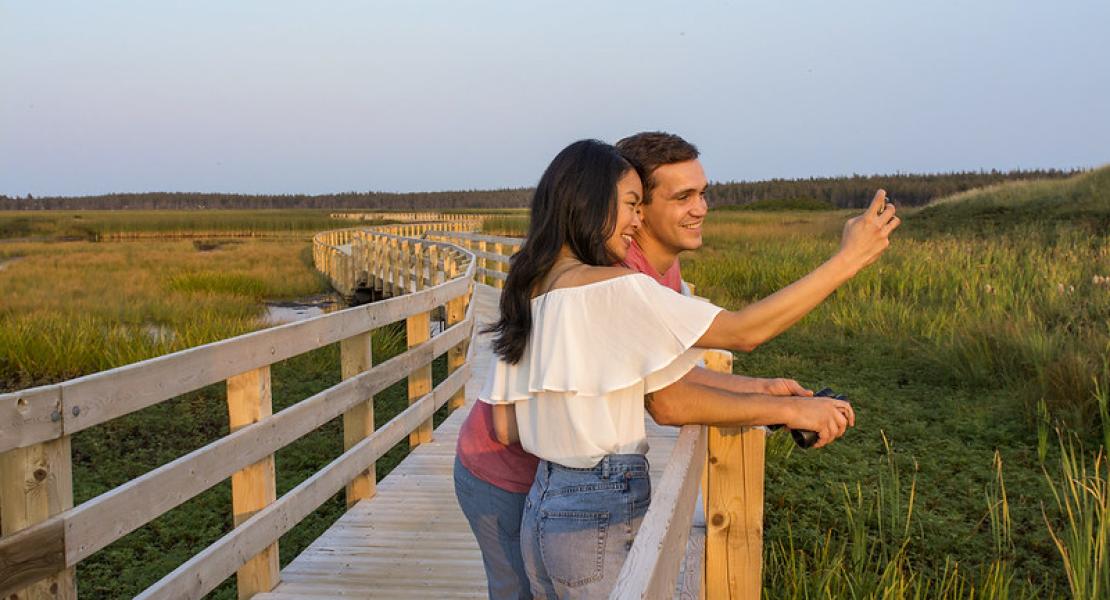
(411, 540)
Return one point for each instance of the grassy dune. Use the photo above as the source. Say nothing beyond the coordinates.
(1030, 208)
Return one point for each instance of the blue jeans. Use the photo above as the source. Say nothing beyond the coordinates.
(579, 525)
(494, 517)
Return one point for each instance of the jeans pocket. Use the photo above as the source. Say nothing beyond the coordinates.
(572, 545)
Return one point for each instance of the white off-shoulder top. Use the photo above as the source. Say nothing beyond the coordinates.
(594, 352)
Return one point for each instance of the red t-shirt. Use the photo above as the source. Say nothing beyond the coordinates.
(510, 467)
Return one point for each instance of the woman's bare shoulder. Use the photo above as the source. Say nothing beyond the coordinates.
(589, 274)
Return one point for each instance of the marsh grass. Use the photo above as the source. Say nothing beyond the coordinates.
(1015, 313)
(1081, 492)
(966, 352)
(71, 308)
(96, 225)
(514, 225)
(959, 352)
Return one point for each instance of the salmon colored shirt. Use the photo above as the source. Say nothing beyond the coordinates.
(510, 467)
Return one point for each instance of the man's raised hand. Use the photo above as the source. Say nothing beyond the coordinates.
(867, 236)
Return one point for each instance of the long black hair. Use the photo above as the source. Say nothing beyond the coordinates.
(574, 205)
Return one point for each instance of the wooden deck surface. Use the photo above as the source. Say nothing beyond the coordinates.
(411, 540)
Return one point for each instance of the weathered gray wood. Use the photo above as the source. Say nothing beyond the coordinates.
(478, 236)
(210, 567)
(494, 274)
(652, 567)
(113, 514)
(689, 585)
(493, 256)
(30, 416)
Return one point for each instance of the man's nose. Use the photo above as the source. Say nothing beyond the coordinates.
(701, 207)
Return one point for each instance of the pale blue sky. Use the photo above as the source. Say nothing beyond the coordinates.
(314, 97)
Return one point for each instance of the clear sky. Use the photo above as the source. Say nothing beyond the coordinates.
(315, 97)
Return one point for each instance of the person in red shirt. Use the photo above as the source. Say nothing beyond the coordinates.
(492, 478)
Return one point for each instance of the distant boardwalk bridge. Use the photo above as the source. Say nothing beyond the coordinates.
(401, 537)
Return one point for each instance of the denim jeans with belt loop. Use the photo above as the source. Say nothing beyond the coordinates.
(579, 524)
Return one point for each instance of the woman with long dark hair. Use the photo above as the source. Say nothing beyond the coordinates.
(581, 342)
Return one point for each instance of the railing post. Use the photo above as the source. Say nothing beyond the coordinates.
(434, 276)
(483, 262)
(382, 266)
(356, 356)
(254, 487)
(456, 311)
(36, 483)
(418, 266)
(395, 265)
(733, 494)
(499, 249)
(417, 331)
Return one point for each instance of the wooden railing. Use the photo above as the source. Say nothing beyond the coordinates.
(711, 549)
(715, 552)
(491, 251)
(412, 216)
(45, 536)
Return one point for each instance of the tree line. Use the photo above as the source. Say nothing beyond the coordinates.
(842, 192)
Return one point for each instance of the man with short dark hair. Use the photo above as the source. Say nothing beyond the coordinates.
(673, 213)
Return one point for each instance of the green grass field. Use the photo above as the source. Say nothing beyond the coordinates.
(976, 352)
(94, 225)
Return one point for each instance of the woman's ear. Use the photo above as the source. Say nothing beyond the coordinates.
(504, 424)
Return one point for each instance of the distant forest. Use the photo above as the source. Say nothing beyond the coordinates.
(843, 192)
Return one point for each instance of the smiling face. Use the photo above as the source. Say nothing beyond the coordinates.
(672, 221)
(629, 194)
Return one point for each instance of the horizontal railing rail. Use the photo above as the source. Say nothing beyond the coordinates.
(491, 251)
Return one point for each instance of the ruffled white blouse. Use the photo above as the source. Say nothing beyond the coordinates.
(594, 352)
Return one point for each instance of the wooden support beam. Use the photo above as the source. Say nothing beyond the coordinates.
(356, 356)
(254, 487)
(456, 311)
(417, 331)
(415, 256)
(483, 263)
(499, 249)
(395, 266)
(733, 493)
(36, 482)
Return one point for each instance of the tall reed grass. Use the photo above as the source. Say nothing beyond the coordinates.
(106, 224)
(1011, 312)
(72, 308)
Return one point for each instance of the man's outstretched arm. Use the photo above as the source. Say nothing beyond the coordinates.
(865, 238)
